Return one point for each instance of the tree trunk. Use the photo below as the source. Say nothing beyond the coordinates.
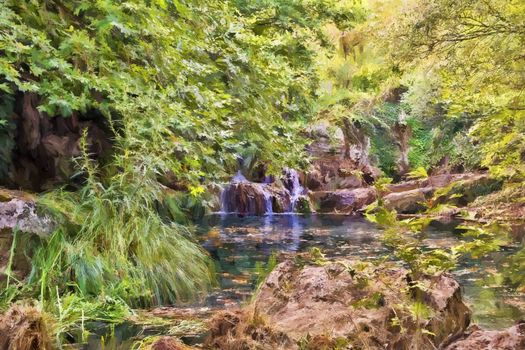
(355, 135)
(402, 133)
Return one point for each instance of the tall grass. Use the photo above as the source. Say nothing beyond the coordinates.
(112, 240)
(112, 248)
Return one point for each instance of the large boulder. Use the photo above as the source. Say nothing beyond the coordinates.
(460, 189)
(512, 338)
(250, 198)
(353, 304)
(345, 201)
(410, 201)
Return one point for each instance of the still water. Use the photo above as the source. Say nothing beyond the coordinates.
(237, 245)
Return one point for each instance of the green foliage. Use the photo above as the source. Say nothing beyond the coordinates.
(418, 173)
(262, 271)
(112, 240)
(382, 143)
(74, 313)
(420, 154)
(472, 52)
(373, 301)
(482, 240)
(405, 237)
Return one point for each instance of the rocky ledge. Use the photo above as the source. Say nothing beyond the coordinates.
(512, 338)
(316, 304)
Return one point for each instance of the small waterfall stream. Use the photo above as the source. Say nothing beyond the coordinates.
(244, 197)
(293, 185)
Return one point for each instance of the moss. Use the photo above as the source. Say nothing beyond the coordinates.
(303, 206)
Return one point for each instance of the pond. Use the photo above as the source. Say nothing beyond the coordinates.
(239, 246)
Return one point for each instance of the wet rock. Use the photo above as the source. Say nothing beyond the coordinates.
(361, 304)
(512, 338)
(245, 198)
(250, 198)
(346, 201)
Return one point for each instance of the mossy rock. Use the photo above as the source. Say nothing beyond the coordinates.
(463, 192)
(303, 206)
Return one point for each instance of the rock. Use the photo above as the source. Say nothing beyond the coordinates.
(359, 303)
(356, 304)
(331, 173)
(458, 189)
(512, 338)
(245, 198)
(314, 179)
(464, 190)
(407, 186)
(281, 202)
(20, 212)
(408, 201)
(347, 201)
(251, 198)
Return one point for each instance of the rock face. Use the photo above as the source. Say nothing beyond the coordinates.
(345, 201)
(460, 189)
(250, 198)
(43, 147)
(512, 338)
(18, 210)
(356, 304)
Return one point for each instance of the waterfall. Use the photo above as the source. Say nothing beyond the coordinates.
(268, 201)
(294, 187)
(239, 177)
(245, 197)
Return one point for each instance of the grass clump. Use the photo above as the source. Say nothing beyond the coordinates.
(24, 327)
(117, 244)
